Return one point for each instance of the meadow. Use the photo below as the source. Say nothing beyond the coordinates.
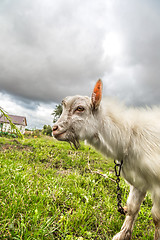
(50, 191)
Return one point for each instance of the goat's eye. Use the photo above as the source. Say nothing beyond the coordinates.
(80, 109)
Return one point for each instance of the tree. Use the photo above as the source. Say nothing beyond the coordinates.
(57, 112)
(47, 130)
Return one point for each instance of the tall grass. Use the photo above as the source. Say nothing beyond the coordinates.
(49, 191)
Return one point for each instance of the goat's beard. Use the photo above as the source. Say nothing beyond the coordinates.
(75, 143)
(72, 138)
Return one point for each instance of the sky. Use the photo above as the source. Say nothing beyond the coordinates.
(51, 49)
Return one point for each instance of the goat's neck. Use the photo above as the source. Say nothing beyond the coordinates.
(112, 136)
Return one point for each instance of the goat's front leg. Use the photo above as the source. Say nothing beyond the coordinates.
(133, 205)
(157, 229)
(156, 215)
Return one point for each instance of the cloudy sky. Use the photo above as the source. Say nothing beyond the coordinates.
(50, 49)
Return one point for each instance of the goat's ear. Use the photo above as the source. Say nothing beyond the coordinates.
(97, 94)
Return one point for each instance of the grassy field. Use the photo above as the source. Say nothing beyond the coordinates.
(49, 191)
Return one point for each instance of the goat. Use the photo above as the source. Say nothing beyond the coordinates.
(128, 134)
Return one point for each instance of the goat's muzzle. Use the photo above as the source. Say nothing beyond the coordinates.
(55, 128)
(64, 135)
(57, 133)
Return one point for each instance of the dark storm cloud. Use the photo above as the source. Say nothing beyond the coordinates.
(139, 21)
(51, 49)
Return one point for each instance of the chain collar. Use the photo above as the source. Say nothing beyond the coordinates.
(117, 168)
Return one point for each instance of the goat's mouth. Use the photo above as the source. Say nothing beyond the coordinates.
(71, 138)
(59, 135)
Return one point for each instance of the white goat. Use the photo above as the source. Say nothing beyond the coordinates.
(131, 135)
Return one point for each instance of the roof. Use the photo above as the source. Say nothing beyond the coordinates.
(17, 120)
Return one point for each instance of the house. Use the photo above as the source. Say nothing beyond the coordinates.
(19, 121)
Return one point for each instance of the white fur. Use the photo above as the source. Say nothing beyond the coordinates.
(121, 133)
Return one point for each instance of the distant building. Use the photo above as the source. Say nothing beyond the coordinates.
(19, 121)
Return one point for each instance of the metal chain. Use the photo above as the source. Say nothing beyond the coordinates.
(117, 168)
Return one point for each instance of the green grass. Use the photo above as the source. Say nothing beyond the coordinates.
(48, 191)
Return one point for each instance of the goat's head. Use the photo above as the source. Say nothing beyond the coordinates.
(78, 117)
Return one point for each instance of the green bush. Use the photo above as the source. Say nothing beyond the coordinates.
(8, 135)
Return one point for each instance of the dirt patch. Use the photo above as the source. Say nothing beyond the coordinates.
(17, 146)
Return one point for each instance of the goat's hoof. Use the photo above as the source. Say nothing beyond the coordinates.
(122, 235)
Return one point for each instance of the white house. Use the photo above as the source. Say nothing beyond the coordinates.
(19, 121)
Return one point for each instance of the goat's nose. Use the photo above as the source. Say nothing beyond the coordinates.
(55, 128)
